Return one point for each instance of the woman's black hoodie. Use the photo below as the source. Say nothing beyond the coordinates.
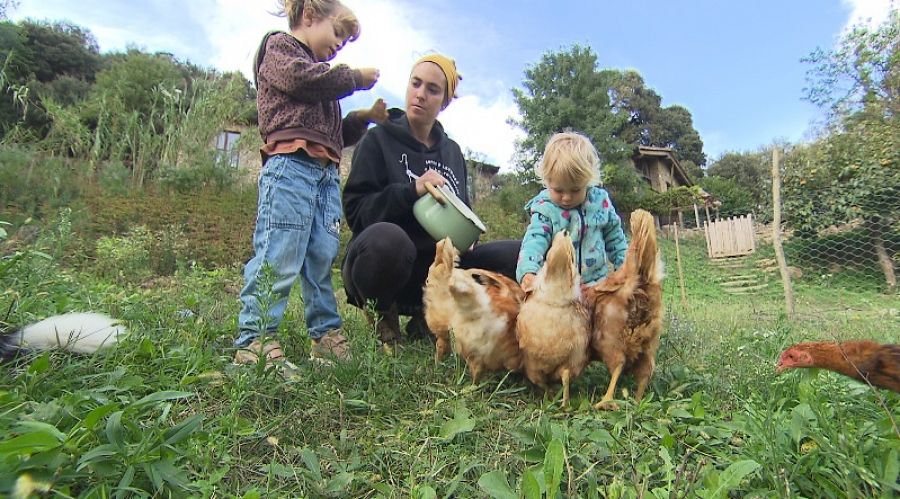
(381, 188)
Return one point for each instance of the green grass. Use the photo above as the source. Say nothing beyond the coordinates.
(167, 414)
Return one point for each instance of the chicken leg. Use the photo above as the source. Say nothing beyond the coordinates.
(642, 373)
(565, 376)
(606, 402)
(475, 369)
(442, 346)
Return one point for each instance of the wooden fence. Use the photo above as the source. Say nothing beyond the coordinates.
(730, 237)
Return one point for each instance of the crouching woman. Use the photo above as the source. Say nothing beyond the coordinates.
(388, 256)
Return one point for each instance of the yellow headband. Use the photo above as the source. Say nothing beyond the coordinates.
(448, 66)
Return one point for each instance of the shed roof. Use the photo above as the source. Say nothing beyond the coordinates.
(666, 154)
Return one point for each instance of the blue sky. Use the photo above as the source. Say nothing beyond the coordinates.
(734, 64)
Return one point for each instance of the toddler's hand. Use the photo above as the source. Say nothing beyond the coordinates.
(528, 283)
(369, 77)
(378, 112)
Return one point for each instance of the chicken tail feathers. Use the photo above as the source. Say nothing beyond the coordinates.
(73, 332)
(642, 258)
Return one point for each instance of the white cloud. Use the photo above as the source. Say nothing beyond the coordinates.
(870, 12)
(482, 127)
(391, 41)
(224, 34)
(388, 41)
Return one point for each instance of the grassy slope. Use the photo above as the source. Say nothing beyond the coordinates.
(400, 426)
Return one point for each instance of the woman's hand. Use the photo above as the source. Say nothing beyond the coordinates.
(429, 176)
(377, 113)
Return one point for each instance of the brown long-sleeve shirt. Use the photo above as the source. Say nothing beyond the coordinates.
(297, 96)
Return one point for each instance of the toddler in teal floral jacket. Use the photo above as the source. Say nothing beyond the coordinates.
(572, 201)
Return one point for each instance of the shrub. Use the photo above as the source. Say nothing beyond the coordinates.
(125, 259)
(30, 184)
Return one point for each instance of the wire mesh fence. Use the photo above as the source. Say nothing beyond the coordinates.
(841, 255)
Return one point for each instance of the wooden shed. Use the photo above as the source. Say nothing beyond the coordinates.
(660, 168)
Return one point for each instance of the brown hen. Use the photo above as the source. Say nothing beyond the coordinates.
(861, 360)
(553, 323)
(627, 312)
(439, 305)
(484, 322)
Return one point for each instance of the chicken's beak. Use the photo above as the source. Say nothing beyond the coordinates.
(780, 368)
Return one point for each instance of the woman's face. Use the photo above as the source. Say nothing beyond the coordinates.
(425, 93)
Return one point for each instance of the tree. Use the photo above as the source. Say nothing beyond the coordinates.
(60, 48)
(6, 6)
(565, 90)
(853, 173)
(626, 187)
(647, 123)
(673, 127)
(750, 171)
(634, 103)
(862, 72)
(47, 60)
(735, 198)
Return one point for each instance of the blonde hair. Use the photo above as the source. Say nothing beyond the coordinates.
(345, 19)
(571, 159)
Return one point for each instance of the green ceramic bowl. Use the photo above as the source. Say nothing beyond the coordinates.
(443, 214)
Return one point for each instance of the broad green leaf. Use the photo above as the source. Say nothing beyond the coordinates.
(115, 431)
(153, 473)
(162, 396)
(183, 430)
(312, 463)
(174, 476)
(29, 443)
(802, 416)
(531, 488)
(38, 426)
(462, 422)
(384, 488)
(40, 364)
(252, 494)
(732, 476)
(96, 455)
(891, 472)
(342, 480)
(125, 482)
(553, 467)
(279, 470)
(424, 492)
(96, 415)
(494, 483)
(681, 414)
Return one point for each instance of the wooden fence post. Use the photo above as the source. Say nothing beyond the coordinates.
(680, 273)
(776, 232)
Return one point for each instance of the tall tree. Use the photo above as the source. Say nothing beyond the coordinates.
(43, 60)
(566, 90)
(6, 6)
(647, 123)
(747, 169)
(862, 72)
(673, 127)
(635, 103)
(60, 48)
(853, 173)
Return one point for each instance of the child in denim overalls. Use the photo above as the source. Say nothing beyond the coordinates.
(299, 208)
